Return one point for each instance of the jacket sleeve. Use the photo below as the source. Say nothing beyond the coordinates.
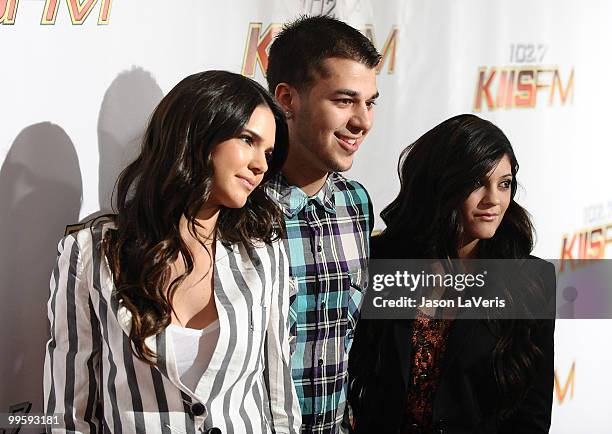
(284, 405)
(73, 351)
(533, 416)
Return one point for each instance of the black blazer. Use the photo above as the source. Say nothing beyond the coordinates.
(467, 398)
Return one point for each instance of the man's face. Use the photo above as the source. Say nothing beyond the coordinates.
(331, 118)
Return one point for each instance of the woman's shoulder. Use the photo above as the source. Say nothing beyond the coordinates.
(543, 274)
(536, 258)
(254, 251)
(87, 236)
(274, 249)
(540, 264)
(383, 246)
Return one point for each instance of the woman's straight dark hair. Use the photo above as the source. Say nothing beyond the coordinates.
(437, 174)
(172, 177)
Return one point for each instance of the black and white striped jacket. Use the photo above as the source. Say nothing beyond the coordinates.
(95, 384)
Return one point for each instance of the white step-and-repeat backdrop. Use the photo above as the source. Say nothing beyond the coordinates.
(79, 79)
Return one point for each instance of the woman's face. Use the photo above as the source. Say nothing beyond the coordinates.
(484, 209)
(239, 163)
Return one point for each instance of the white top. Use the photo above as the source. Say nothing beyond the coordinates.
(193, 350)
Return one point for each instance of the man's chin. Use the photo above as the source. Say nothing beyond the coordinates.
(340, 165)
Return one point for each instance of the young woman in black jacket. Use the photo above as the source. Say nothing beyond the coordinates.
(432, 375)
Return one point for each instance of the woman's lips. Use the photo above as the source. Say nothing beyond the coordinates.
(247, 182)
(486, 217)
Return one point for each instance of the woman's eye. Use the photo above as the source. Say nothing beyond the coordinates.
(246, 138)
(269, 157)
(506, 184)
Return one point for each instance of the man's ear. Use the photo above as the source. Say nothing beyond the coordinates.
(287, 97)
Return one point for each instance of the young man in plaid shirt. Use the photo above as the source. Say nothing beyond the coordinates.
(323, 73)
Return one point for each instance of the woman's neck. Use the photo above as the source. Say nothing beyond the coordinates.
(468, 250)
(206, 223)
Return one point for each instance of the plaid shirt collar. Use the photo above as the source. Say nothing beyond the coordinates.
(292, 199)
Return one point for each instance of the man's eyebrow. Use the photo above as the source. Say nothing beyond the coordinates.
(354, 93)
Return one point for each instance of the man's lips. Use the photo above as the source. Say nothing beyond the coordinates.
(349, 143)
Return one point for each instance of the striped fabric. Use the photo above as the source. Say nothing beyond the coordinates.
(328, 245)
(95, 382)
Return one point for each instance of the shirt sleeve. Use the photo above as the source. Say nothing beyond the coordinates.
(533, 416)
(73, 352)
(284, 405)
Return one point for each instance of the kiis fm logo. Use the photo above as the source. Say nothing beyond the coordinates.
(518, 86)
(79, 11)
(590, 243)
(561, 389)
(258, 44)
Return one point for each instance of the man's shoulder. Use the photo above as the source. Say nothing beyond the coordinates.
(275, 184)
(352, 188)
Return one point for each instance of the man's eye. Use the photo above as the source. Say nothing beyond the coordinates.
(345, 101)
(370, 104)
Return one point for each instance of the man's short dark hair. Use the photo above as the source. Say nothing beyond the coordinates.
(302, 46)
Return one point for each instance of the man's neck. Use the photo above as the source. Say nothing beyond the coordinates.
(309, 180)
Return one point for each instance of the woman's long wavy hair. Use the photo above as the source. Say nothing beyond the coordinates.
(437, 174)
(172, 178)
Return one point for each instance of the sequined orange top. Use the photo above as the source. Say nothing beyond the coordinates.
(428, 347)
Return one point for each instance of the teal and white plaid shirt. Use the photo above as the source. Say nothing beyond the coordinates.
(328, 246)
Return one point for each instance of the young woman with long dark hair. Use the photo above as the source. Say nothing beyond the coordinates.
(171, 316)
(440, 375)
